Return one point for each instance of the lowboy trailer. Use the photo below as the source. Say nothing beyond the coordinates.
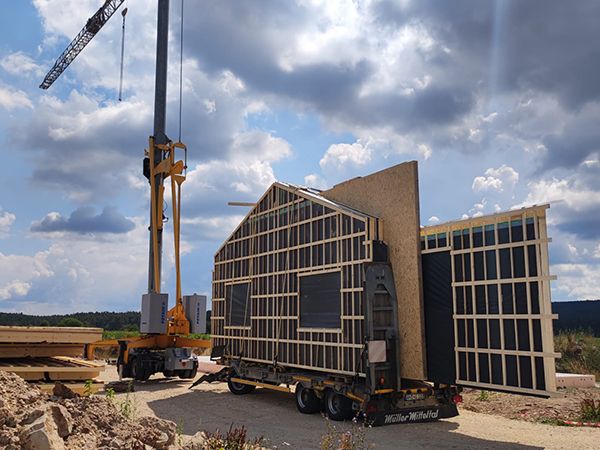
(380, 396)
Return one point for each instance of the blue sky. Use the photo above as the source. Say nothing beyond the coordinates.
(498, 102)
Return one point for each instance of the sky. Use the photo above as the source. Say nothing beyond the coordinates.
(498, 101)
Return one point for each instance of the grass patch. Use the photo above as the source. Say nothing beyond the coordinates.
(121, 334)
(580, 352)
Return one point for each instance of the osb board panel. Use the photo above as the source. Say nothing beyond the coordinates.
(50, 335)
(393, 196)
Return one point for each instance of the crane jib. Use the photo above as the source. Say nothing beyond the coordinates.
(91, 28)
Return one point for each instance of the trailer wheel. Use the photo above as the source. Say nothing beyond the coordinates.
(239, 388)
(337, 406)
(307, 401)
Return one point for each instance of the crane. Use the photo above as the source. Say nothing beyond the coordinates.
(87, 33)
(164, 345)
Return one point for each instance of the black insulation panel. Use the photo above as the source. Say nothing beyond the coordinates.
(439, 327)
(320, 301)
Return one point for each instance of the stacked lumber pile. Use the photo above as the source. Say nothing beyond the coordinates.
(48, 354)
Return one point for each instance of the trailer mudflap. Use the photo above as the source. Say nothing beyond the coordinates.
(412, 415)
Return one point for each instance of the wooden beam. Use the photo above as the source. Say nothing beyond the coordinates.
(49, 335)
(53, 368)
(40, 350)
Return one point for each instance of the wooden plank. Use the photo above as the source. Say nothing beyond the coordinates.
(54, 335)
(40, 350)
(52, 368)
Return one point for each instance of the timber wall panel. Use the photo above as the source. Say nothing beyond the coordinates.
(500, 299)
(289, 234)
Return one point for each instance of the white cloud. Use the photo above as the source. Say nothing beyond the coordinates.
(6, 221)
(217, 228)
(425, 151)
(433, 220)
(258, 145)
(315, 181)
(578, 198)
(17, 273)
(13, 289)
(82, 273)
(21, 65)
(11, 99)
(569, 281)
(341, 155)
(496, 179)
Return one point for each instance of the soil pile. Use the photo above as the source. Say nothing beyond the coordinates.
(31, 419)
(566, 405)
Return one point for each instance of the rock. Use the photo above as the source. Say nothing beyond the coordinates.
(60, 390)
(167, 431)
(196, 442)
(33, 416)
(62, 419)
(42, 435)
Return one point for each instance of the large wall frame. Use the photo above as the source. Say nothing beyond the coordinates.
(502, 313)
(294, 232)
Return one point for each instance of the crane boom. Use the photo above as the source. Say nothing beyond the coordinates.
(91, 28)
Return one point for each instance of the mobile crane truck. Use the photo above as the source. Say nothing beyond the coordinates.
(164, 345)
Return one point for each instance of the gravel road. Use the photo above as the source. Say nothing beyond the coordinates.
(273, 415)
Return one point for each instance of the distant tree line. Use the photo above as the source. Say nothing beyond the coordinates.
(113, 321)
(580, 315)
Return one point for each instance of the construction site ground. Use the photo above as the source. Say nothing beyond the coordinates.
(273, 415)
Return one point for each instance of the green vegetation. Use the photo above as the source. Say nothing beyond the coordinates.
(353, 438)
(234, 439)
(124, 324)
(590, 410)
(108, 320)
(128, 407)
(119, 334)
(122, 334)
(483, 396)
(88, 388)
(110, 394)
(70, 322)
(580, 352)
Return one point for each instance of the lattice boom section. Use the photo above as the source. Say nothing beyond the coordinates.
(291, 234)
(501, 299)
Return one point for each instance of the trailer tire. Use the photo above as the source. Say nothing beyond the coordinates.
(307, 401)
(337, 406)
(239, 388)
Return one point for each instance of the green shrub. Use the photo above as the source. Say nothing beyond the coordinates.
(590, 410)
(70, 322)
(234, 439)
(580, 352)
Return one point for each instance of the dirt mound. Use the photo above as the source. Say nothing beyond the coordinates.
(566, 405)
(31, 419)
